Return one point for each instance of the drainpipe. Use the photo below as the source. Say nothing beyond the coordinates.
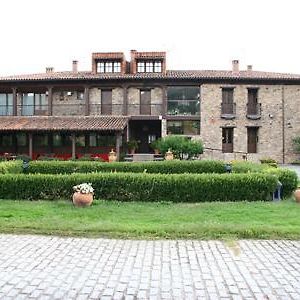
(283, 123)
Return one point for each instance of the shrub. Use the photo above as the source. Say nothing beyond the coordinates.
(288, 178)
(163, 167)
(296, 143)
(11, 167)
(142, 187)
(270, 162)
(247, 167)
(182, 147)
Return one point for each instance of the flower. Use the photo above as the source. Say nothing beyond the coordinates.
(84, 188)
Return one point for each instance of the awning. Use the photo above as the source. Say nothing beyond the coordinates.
(63, 123)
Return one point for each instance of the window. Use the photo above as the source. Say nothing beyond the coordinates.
(80, 95)
(183, 100)
(6, 104)
(80, 141)
(183, 127)
(227, 140)
(141, 67)
(106, 102)
(57, 140)
(157, 67)
(97, 140)
(41, 140)
(108, 67)
(149, 66)
(145, 102)
(31, 103)
(252, 105)
(6, 140)
(21, 139)
(227, 101)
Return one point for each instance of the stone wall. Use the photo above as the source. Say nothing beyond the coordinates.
(64, 104)
(270, 132)
(292, 120)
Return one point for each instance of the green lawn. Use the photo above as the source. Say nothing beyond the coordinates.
(140, 220)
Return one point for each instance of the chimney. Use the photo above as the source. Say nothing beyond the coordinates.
(235, 66)
(249, 68)
(49, 69)
(133, 61)
(75, 66)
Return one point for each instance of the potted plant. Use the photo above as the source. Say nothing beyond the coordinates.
(83, 194)
(132, 145)
(155, 146)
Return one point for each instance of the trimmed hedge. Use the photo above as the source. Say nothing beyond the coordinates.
(142, 187)
(162, 167)
(11, 167)
(288, 178)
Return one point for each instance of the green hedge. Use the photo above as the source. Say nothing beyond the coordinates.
(162, 167)
(11, 167)
(142, 187)
(288, 178)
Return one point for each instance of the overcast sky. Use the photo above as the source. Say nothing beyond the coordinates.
(197, 34)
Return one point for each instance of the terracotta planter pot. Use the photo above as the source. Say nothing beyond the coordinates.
(297, 195)
(82, 200)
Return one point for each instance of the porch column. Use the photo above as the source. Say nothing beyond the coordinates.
(50, 100)
(87, 100)
(30, 145)
(15, 101)
(125, 100)
(73, 136)
(118, 145)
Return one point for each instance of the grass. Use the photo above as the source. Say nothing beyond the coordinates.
(239, 220)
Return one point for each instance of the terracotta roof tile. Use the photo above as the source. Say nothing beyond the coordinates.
(108, 55)
(74, 123)
(171, 74)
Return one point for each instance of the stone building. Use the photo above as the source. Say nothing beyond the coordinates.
(239, 114)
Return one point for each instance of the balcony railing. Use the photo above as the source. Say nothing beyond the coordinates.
(79, 109)
(253, 111)
(183, 107)
(228, 110)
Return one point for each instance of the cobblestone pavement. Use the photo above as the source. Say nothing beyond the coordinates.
(41, 267)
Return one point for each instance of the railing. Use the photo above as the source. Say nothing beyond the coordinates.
(253, 111)
(80, 109)
(228, 110)
(183, 107)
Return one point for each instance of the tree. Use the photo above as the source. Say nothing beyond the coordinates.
(182, 147)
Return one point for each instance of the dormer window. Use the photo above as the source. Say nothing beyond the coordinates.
(149, 66)
(108, 67)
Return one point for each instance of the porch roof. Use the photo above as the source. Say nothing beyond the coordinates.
(74, 123)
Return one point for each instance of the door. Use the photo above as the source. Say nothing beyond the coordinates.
(145, 102)
(227, 140)
(106, 102)
(252, 139)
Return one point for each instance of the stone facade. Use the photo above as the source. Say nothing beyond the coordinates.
(278, 124)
